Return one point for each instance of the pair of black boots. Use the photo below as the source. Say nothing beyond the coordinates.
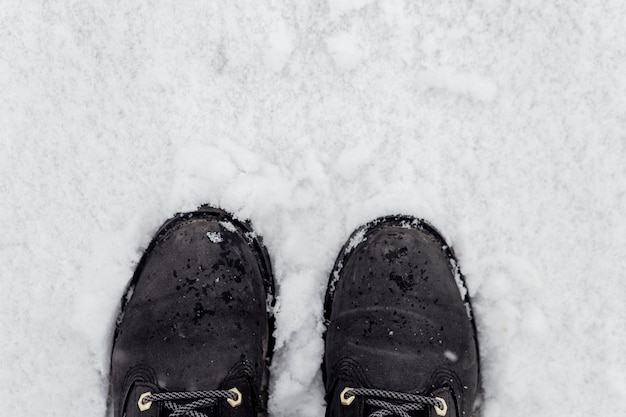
(194, 336)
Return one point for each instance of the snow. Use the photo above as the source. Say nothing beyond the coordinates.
(215, 237)
(228, 226)
(345, 50)
(451, 356)
(356, 240)
(502, 123)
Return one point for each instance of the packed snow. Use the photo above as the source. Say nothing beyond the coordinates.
(215, 237)
(503, 123)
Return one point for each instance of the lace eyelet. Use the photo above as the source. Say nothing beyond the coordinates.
(346, 400)
(444, 409)
(143, 406)
(237, 401)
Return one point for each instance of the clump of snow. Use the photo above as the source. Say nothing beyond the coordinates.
(457, 278)
(356, 239)
(228, 226)
(215, 237)
(335, 277)
(410, 224)
(250, 236)
(451, 356)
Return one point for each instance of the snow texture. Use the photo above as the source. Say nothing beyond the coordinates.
(215, 237)
(503, 123)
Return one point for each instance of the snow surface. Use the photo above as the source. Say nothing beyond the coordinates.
(501, 122)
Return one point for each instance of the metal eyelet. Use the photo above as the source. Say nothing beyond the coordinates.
(236, 402)
(346, 400)
(143, 406)
(444, 409)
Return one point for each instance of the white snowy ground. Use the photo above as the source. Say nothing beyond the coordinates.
(502, 122)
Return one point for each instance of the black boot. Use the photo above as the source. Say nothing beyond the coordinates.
(193, 337)
(400, 339)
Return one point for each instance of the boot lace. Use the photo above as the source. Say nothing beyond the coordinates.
(392, 403)
(188, 403)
